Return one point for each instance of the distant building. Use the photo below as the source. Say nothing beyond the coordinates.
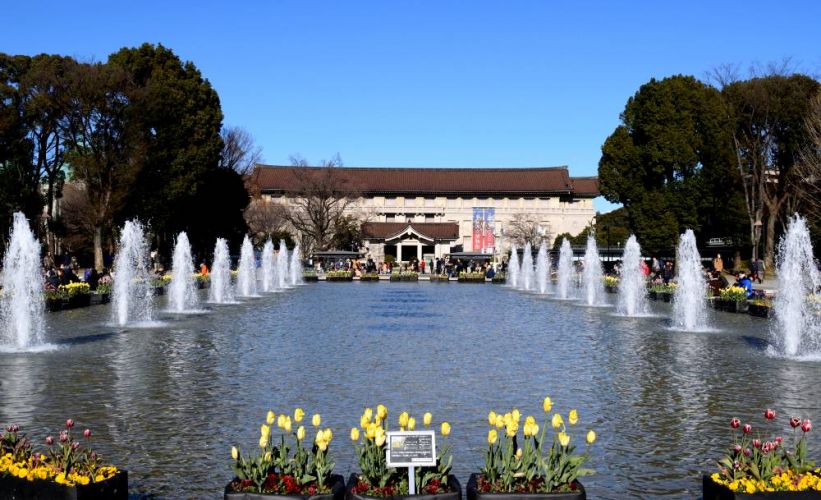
(429, 212)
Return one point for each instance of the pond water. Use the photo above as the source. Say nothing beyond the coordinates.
(167, 403)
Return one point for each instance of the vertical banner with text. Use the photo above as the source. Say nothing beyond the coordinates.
(483, 226)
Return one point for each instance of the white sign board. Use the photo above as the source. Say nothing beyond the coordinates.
(411, 449)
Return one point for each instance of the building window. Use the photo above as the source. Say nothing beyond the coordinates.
(430, 217)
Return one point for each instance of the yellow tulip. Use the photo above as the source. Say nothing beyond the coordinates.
(547, 405)
(281, 421)
(287, 424)
(316, 420)
(500, 421)
(519, 454)
(300, 433)
(364, 421)
(516, 415)
(380, 437)
(263, 442)
(328, 435)
(564, 439)
(591, 436)
(298, 414)
(427, 418)
(411, 423)
(370, 431)
(492, 436)
(403, 419)
(445, 428)
(354, 434)
(368, 413)
(530, 419)
(235, 451)
(269, 419)
(512, 429)
(378, 420)
(264, 431)
(491, 417)
(381, 411)
(267, 456)
(557, 421)
(323, 445)
(573, 417)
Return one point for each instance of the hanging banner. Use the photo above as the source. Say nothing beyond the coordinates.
(483, 228)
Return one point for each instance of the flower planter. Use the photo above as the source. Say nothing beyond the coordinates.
(713, 491)
(159, 290)
(732, 306)
(339, 278)
(612, 288)
(498, 281)
(455, 492)
(439, 279)
(369, 278)
(652, 295)
(21, 489)
(54, 305)
(759, 311)
(79, 300)
(473, 493)
(666, 297)
(337, 493)
(311, 278)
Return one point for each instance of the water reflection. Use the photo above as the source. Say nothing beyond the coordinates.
(168, 402)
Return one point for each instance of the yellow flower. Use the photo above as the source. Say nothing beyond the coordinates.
(516, 415)
(269, 419)
(564, 439)
(267, 456)
(427, 418)
(364, 421)
(492, 436)
(500, 421)
(491, 417)
(557, 421)
(512, 428)
(530, 419)
(411, 423)
(370, 430)
(281, 421)
(445, 428)
(328, 435)
(368, 414)
(354, 434)
(263, 442)
(380, 436)
(287, 424)
(381, 411)
(403, 419)
(234, 452)
(573, 417)
(264, 431)
(298, 414)
(591, 436)
(323, 445)
(300, 433)
(316, 420)
(519, 454)
(547, 405)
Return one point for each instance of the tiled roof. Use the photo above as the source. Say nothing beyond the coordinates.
(432, 230)
(434, 181)
(585, 186)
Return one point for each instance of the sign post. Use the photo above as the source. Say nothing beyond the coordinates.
(411, 449)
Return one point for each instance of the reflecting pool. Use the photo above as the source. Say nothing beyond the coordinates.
(168, 402)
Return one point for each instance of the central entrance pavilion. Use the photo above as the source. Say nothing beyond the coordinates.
(407, 241)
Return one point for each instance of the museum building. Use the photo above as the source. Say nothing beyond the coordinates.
(416, 213)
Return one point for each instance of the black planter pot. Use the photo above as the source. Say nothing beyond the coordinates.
(666, 297)
(159, 290)
(369, 278)
(437, 279)
(340, 278)
(54, 305)
(310, 279)
(611, 289)
(500, 281)
(473, 493)
(337, 493)
(713, 491)
(12, 488)
(455, 492)
(652, 295)
(79, 300)
(759, 311)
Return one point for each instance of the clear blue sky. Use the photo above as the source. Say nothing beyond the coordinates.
(436, 83)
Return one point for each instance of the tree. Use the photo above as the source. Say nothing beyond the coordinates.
(239, 153)
(670, 163)
(265, 219)
(769, 133)
(319, 201)
(102, 146)
(524, 228)
(807, 179)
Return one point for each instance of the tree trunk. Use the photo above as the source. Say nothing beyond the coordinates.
(769, 249)
(737, 261)
(98, 248)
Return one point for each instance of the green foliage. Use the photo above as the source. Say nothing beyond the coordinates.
(671, 163)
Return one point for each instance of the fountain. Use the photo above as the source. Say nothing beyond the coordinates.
(565, 270)
(797, 327)
(268, 277)
(593, 278)
(21, 300)
(247, 276)
(527, 276)
(632, 300)
(513, 267)
(295, 268)
(542, 269)
(689, 304)
(221, 291)
(182, 291)
(132, 295)
(282, 265)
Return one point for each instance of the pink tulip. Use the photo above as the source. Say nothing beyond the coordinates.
(735, 423)
(756, 443)
(747, 428)
(49, 440)
(69, 424)
(769, 414)
(806, 426)
(87, 433)
(795, 422)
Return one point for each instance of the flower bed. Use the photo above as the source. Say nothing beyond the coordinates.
(376, 479)
(759, 308)
(202, 281)
(499, 278)
(465, 277)
(732, 299)
(68, 469)
(769, 468)
(405, 276)
(339, 276)
(75, 295)
(309, 276)
(439, 278)
(529, 469)
(662, 292)
(369, 277)
(611, 284)
(283, 469)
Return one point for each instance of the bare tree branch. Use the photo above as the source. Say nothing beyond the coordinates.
(239, 153)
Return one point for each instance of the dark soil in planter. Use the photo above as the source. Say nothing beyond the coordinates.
(455, 492)
(759, 311)
(337, 493)
(54, 305)
(79, 300)
(652, 295)
(713, 491)
(473, 493)
(612, 289)
(12, 488)
(159, 290)
(308, 279)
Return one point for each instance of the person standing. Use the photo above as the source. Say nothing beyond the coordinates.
(718, 264)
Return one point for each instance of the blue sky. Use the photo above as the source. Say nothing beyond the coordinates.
(444, 83)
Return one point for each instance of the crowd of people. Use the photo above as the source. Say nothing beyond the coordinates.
(438, 266)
